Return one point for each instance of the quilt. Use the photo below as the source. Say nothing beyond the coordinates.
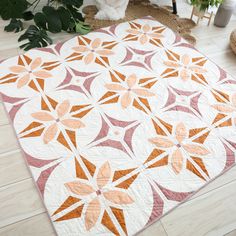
(120, 126)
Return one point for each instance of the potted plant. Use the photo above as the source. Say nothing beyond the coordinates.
(201, 6)
(54, 16)
(224, 13)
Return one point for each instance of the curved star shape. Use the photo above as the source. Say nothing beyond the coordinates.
(116, 134)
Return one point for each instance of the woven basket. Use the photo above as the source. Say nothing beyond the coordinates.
(233, 41)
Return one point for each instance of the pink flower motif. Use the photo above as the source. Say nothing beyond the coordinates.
(179, 144)
(91, 51)
(185, 66)
(95, 208)
(129, 90)
(27, 72)
(145, 33)
(52, 121)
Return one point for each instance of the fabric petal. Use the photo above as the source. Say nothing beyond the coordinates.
(63, 108)
(133, 31)
(23, 81)
(143, 92)
(96, 43)
(50, 133)
(73, 123)
(146, 28)
(42, 74)
(88, 58)
(92, 213)
(155, 35)
(104, 175)
(126, 100)
(171, 64)
(35, 63)
(177, 161)
(225, 108)
(80, 49)
(115, 87)
(42, 116)
(143, 39)
(184, 74)
(162, 142)
(197, 69)
(131, 80)
(118, 197)
(79, 188)
(17, 69)
(196, 149)
(105, 52)
(181, 132)
(185, 59)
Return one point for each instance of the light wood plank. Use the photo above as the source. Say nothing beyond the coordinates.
(8, 52)
(3, 116)
(8, 140)
(156, 229)
(38, 225)
(13, 168)
(210, 214)
(18, 202)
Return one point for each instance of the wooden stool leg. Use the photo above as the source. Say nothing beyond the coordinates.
(209, 21)
(198, 19)
(192, 14)
(174, 6)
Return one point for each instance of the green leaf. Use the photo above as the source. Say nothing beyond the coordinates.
(54, 24)
(14, 25)
(40, 20)
(82, 28)
(65, 17)
(76, 3)
(204, 4)
(12, 8)
(75, 13)
(27, 15)
(36, 38)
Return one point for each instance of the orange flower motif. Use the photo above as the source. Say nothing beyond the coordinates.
(52, 121)
(227, 108)
(27, 72)
(146, 32)
(185, 66)
(94, 208)
(91, 51)
(129, 91)
(179, 144)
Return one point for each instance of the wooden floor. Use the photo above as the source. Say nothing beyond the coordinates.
(212, 211)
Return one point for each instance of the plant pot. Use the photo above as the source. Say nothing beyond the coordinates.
(224, 13)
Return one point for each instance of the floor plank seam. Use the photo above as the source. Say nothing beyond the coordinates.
(3, 187)
(2, 227)
(162, 224)
(2, 124)
(195, 197)
(10, 152)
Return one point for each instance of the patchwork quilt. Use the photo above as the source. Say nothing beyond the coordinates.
(120, 126)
